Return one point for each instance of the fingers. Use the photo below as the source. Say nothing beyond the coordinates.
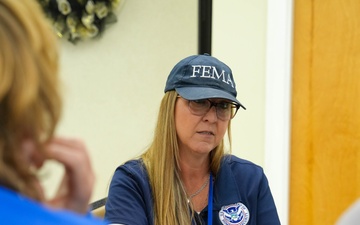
(77, 185)
(31, 154)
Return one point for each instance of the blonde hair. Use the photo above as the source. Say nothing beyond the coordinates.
(29, 100)
(162, 163)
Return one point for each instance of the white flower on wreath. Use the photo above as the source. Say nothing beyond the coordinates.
(101, 10)
(90, 7)
(64, 6)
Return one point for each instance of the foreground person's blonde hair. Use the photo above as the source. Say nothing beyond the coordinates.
(162, 163)
(29, 98)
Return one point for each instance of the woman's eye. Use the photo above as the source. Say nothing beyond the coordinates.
(223, 105)
(200, 102)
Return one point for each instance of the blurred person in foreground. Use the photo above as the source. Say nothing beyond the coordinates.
(351, 216)
(30, 106)
(185, 176)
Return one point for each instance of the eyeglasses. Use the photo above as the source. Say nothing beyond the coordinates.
(224, 110)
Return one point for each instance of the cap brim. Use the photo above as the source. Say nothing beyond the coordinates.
(196, 93)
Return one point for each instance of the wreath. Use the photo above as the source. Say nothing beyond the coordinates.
(79, 20)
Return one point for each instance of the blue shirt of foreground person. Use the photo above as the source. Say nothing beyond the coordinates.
(16, 209)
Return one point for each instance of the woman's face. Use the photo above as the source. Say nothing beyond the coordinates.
(199, 134)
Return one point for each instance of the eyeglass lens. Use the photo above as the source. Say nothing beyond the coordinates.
(224, 110)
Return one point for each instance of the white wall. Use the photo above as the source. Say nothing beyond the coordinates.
(278, 101)
(239, 40)
(113, 86)
(254, 38)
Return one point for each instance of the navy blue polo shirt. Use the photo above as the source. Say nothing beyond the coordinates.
(241, 195)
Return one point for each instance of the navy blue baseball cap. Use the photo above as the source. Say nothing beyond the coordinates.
(201, 77)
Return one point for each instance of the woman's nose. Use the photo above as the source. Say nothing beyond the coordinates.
(211, 115)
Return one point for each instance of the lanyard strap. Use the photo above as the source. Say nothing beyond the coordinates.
(210, 201)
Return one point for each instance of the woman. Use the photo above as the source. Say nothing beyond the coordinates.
(185, 177)
(29, 111)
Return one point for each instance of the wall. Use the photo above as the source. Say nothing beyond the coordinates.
(255, 37)
(239, 40)
(113, 86)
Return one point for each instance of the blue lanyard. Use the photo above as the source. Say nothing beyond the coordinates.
(210, 201)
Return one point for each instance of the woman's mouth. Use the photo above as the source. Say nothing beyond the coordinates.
(206, 132)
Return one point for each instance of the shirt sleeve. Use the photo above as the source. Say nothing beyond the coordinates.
(129, 200)
(267, 213)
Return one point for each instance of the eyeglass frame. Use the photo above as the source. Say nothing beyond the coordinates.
(233, 106)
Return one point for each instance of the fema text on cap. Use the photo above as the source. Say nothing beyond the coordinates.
(211, 72)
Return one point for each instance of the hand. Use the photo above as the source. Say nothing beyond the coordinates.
(76, 187)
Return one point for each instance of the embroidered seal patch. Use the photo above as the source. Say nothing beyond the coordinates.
(234, 214)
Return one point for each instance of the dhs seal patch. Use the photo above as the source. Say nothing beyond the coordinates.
(234, 214)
